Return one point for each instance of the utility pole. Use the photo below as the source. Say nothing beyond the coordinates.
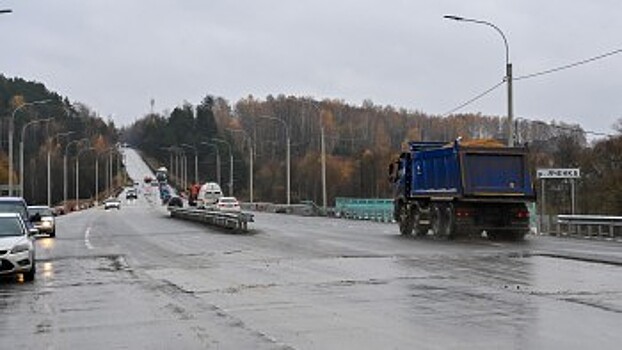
(288, 159)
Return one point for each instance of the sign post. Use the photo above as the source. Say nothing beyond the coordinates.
(557, 173)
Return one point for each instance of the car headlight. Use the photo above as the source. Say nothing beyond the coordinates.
(46, 224)
(23, 247)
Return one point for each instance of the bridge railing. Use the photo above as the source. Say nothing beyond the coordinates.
(589, 225)
(375, 209)
(234, 221)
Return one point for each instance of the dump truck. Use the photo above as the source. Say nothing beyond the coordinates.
(457, 190)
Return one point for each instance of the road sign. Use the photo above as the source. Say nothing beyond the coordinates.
(557, 173)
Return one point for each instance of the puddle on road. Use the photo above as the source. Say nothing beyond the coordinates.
(557, 275)
(47, 270)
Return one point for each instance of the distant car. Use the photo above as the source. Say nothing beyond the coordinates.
(228, 204)
(17, 249)
(131, 194)
(112, 203)
(42, 217)
(175, 202)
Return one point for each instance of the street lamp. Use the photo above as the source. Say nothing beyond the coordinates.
(196, 161)
(11, 131)
(21, 151)
(217, 159)
(170, 153)
(65, 167)
(288, 152)
(508, 70)
(323, 152)
(6, 11)
(230, 163)
(184, 170)
(48, 164)
(109, 176)
(250, 161)
(78, 175)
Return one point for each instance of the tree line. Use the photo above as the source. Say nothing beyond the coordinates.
(68, 122)
(360, 141)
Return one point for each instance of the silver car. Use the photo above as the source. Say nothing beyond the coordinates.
(43, 219)
(17, 248)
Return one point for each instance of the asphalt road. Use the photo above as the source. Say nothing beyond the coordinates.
(137, 279)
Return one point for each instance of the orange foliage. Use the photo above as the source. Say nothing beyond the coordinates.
(482, 143)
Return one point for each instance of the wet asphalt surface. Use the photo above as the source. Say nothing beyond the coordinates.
(136, 279)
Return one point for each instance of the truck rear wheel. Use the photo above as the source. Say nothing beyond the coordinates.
(418, 228)
(406, 220)
(443, 223)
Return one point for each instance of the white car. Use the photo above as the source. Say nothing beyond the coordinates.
(112, 203)
(17, 249)
(228, 204)
(208, 195)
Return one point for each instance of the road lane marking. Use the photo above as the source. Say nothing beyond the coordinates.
(87, 238)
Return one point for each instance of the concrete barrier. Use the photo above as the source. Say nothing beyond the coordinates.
(233, 221)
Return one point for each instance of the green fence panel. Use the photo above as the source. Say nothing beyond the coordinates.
(376, 209)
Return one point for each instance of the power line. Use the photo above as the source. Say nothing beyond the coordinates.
(568, 66)
(533, 75)
(477, 97)
(569, 128)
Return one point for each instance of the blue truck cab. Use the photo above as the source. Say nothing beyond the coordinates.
(457, 190)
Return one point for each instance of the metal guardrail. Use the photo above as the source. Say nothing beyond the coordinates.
(234, 221)
(375, 209)
(590, 225)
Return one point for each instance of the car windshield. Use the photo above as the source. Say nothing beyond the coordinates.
(40, 211)
(10, 227)
(13, 207)
(228, 200)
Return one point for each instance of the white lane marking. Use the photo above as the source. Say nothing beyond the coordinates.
(87, 240)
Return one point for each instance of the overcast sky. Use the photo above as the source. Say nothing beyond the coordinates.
(115, 55)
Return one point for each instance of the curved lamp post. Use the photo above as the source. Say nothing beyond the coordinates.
(508, 70)
(323, 152)
(65, 167)
(250, 161)
(49, 156)
(109, 175)
(170, 153)
(288, 151)
(21, 151)
(230, 163)
(196, 161)
(217, 159)
(78, 175)
(11, 132)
